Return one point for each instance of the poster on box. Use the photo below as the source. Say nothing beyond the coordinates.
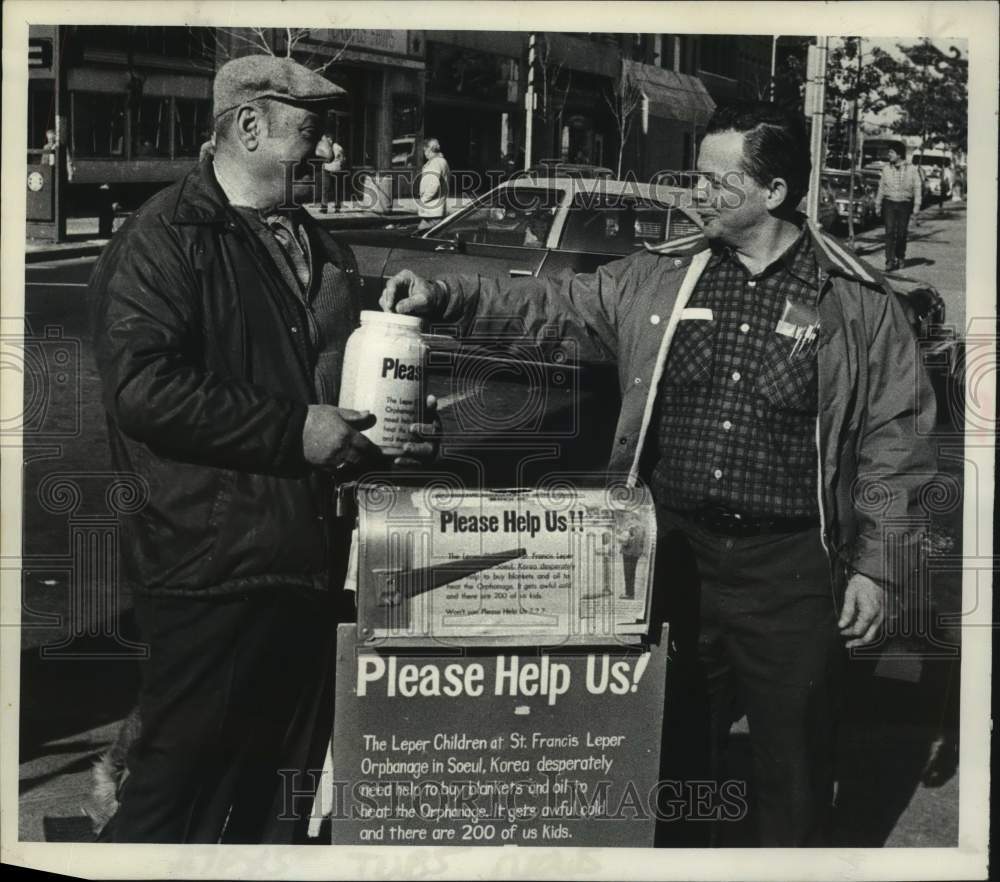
(492, 747)
(537, 566)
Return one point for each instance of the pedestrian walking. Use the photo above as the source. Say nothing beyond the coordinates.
(220, 326)
(50, 148)
(50, 152)
(900, 191)
(432, 203)
(768, 378)
(334, 176)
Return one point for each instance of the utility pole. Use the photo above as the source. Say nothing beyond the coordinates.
(774, 64)
(529, 103)
(815, 99)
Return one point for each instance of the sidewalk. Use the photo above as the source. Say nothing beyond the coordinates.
(83, 240)
(935, 256)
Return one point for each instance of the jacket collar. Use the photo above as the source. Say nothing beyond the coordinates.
(834, 259)
(200, 199)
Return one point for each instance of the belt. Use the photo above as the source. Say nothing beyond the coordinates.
(731, 523)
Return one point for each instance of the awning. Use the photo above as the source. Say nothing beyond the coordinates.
(672, 95)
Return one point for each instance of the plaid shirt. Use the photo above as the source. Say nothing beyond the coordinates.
(900, 184)
(736, 406)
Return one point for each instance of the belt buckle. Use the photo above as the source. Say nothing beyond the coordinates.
(729, 523)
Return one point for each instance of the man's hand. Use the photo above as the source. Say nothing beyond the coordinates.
(424, 438)
(406, 292)
(864, 611)
(332, 439)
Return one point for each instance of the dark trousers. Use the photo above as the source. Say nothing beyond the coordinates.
(236, 703)
(753, 630)
(897, 224)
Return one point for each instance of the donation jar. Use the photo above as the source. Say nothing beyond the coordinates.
(384, 366)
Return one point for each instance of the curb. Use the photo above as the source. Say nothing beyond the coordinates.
(331, 222)
(69, 252)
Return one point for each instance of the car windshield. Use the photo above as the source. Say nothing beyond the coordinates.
(520, 216)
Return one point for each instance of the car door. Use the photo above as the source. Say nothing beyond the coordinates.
(504, 234)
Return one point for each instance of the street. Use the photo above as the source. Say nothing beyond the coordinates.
(80, 661)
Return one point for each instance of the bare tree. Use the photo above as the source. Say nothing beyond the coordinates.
(228, 43)
(623, 104)
(555, 82)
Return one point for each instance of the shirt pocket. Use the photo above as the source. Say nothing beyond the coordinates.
(788, 382)
(692, 354)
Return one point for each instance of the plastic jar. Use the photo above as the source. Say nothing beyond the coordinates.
(384, 368)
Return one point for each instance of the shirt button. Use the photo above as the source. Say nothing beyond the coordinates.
(736, 376)
(727, 425)
(717, 474)
(654, 319)
(744, 328)
(294, 329)
(623, 440)
(637, 381)
(751, 284)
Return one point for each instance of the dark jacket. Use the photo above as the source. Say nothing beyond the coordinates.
(207, 368)
(876, 404)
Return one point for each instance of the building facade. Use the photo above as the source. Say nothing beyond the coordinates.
(132, 105)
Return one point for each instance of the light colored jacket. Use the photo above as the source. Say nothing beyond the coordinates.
(876, 404)
(433, 200)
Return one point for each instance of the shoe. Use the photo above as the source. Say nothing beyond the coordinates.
(942, 762)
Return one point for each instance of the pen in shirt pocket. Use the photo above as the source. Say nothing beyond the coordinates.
(800, 321)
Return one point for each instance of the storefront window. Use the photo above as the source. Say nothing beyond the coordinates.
(98, 124)
(151, 128)
(41, 111)
(405, 127)
(469, 74)
(193, 125)
(183, 42)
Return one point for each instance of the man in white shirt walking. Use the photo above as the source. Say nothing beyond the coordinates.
(899, 194)
(432, 204)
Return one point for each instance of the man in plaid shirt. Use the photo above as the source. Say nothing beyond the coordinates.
(773, 398)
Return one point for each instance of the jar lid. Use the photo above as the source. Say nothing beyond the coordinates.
(395, 319)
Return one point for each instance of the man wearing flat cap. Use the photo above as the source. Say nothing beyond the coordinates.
(221, 316)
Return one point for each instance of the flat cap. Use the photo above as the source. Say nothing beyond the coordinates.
(265, 76)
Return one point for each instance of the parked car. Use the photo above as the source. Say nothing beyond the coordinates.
(863, 199)
(557, 168)
(826, 216)
(937, 168)
(529, 227)
(871, 177)
(500, 396)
